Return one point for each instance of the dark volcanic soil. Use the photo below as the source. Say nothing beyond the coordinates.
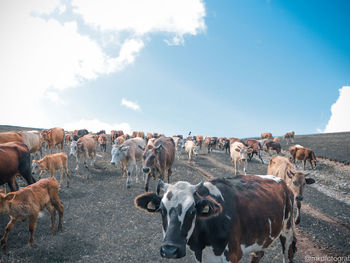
(101, 223)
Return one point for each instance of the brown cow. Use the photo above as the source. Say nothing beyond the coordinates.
(14, 159)
(102, 140)
(10, 137)
(52, 163)
(222, 220)
(281, 167)
(68, 138)
(134, 134)
(120, 140)
(33, 141)
(158, 159)
(271, 145)
(289, 136)
(28, 202)
(84, 148)
(255, 145)
(266, 135)
(209, 143)
(304, 154)
(141, 135)
(54, 137)
(199, 140)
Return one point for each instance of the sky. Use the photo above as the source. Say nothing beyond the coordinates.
(219, 68)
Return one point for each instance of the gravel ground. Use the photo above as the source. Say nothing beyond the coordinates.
(101, 223)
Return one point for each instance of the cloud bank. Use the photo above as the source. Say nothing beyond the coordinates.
(340, 110)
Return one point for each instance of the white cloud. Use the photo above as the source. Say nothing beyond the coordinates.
(95, 125)
(130, 104)
(339, 120)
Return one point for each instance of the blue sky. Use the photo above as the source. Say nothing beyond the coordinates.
(254, 66)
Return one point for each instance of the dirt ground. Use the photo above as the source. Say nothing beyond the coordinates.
(101, 224)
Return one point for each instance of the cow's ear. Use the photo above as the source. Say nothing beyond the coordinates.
(3, 191)
(237, 150)
(159, 147)
(142, 148)
(124, 148)
(207, 207)
(9, 196)
(148, 201)
(309, 181)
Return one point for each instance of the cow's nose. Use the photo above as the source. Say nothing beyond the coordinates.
(145, 170)
(112, 163)
(299, 198)
(168, 251)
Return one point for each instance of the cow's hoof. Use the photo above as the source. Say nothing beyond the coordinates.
(297, 221)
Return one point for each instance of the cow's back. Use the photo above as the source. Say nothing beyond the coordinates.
(32, 140)
(10, 137)
(167, 153)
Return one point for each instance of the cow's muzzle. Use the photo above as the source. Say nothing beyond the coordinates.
(146, 170)
(299, 198)
(171, 251)
(112, 163)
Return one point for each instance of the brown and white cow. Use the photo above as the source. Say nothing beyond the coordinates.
(129, 155)
(192, 149)
(14, 159)
(28, 202)
(281, 167)
(54, 137)
(158, 159)
(10, 137)
(239, 154)
(209, 143)
(78, 134)
(51, 163)
(266, 135)
(289, 137)
(303, 154)
(84, 148)
(102, 140)
(222, 220)
(33, 141)
(255, 145)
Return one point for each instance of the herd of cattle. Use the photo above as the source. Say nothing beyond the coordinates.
(233, 216)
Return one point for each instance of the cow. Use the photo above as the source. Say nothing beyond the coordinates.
(129, 154)
(304, 154)
(239, 153)
(54, 137)
(33, 141)
(224, 219)
(101, 132)
(281, 167)
(271, 145)
(226, 145)
(27, 203)
(209, 143)
(149, 136)
(113, 135)
(276, 139)
(134, 134)
(289, 137)
(120, 140)
(102, 140)
(158, 159)
(141, 135)
(255, 145)
(178, 143)
(51, 163)
(84, 148)
(78, 134)
(199, 140)
(266, 135)
(10, 137)
(68, 138)
(192, 149)
(233, 139)
(14, 159)
(155, 135)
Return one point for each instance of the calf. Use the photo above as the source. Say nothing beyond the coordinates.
(14, 159)
(304, 154)
(54, 137)
(52, 163)
(192, 149)
(158, 159)
(28, 202)
(239, 153)
(84, 148)
(129, 154)
(222, 220)
(271, 145)
(102, 140)
(281, 167)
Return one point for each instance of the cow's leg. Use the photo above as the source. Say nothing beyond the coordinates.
(130, 170)
(312, 167)
(52, 212)
(169, 174)
(245, 166)
(67, 174)
(32, 227)
(148, 176)
(77, 167)
(259, 154)
(297, 220)
(41, 174)
(56, 202)
(288, 242)
(256, 256)
(304, 163)
(13, 184)
(8, 228)
(61, 177)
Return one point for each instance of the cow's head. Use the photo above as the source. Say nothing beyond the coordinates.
(35, 165)
(180, 207)
(299, 180)
(243, 152)
(149, 157)
(119, 153)
(73, 148)
(4, 201)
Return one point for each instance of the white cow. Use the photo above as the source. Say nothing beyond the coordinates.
(239, 153)
(192, 149)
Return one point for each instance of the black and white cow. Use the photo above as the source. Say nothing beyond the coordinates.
(224, 219)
